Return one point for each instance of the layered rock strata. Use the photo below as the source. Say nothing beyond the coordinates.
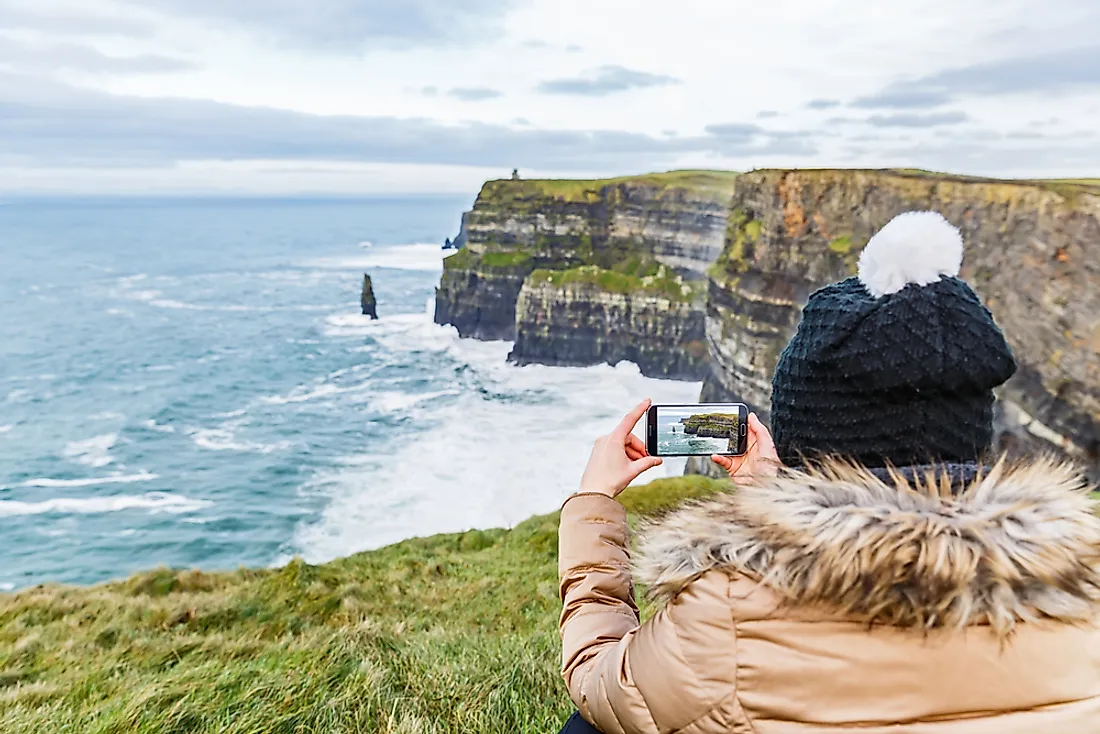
(1032, 253)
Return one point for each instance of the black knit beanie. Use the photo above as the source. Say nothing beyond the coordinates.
(896, 366)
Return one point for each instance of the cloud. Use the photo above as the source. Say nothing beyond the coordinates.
(574, 48)
(349, 25)
(475, 94)
(766, 114)
(48, 123)
(606, 80)
(823, 104)
(908, 119)
(1061, 71)
(429, 91)
(741, 138)
(40, 17)
(903, 99)
(50, 58)
(731, 130)
(535, 43)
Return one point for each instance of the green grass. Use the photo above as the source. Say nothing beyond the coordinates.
(712, 183)
(501, 260)
(453, 633)
(662, 282)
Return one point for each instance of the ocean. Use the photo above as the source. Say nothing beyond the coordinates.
(189, 383)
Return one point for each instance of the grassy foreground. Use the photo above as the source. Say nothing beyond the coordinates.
(454, 633)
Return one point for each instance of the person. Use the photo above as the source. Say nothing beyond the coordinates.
(873, 570)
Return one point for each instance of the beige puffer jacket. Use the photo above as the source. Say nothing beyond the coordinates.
(838, 602)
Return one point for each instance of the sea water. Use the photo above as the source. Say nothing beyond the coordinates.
(189, 383)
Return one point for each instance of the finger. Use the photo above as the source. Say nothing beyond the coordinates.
(636, 444)
(627, 424)
(726, 462)
(633, 454)
(644, 464)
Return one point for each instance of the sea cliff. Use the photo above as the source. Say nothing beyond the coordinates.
(627, 228)
(575, 257)
(589, 315)
(1032, 250)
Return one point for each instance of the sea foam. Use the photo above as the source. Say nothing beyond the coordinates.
(153, 502)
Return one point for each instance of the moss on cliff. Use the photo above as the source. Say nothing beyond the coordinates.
(513, 260)
(659, 282)
(507, 192)
(453, 633)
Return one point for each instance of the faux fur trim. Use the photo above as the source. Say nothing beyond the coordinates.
(1015, 545)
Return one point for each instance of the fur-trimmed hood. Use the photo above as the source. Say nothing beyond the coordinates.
(1015, 544)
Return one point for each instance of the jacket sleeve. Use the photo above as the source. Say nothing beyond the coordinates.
(676, 670)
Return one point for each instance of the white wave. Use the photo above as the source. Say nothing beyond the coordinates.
(397, 402)
(19, 395)
(6, 428)
(152, 425)
(305, 394)
(154, 502)
(161, 368)
(45, 482)
(94, 451)
(419, 257)
(156, 299)
(107, 415)
(7, 586)
(481, 461)
(225, 439)
(130, 279)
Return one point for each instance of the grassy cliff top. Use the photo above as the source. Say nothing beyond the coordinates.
(1065, 186)
(453, 633)
(660, 282)
(709, 184)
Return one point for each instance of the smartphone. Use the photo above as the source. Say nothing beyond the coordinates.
(701, 429)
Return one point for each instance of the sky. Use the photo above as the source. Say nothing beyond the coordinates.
(436, 96)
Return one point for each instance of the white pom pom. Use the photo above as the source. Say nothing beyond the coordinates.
(915, 247)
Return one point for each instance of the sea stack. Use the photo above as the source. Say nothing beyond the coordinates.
(369, 304)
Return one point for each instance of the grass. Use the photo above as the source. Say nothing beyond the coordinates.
(660, 282)
(500, 260)
(711, 183)
(453, 633)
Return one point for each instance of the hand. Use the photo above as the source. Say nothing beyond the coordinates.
(618, 458)
(760, 460)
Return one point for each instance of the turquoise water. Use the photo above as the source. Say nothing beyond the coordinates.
(189, 383)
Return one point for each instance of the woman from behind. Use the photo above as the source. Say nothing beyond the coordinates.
(884, 579)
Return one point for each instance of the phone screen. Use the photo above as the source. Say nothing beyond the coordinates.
(697, 430)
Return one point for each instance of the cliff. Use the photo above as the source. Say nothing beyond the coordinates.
(589, 315)
(516, 227)
(1032, 253)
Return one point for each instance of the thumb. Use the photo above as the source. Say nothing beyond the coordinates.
(644, 464)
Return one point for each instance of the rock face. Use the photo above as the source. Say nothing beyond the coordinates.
(367, 300)
(1032, 253)
(572, 318)
(516, 227)
(711, 425)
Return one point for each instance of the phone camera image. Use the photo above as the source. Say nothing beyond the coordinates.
(687, 430)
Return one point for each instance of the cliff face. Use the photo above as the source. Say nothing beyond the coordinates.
(589, 316)
(1032, 253)
(515, 227)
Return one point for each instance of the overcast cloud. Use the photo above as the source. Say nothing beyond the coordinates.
(606, 80)
(439, 94)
